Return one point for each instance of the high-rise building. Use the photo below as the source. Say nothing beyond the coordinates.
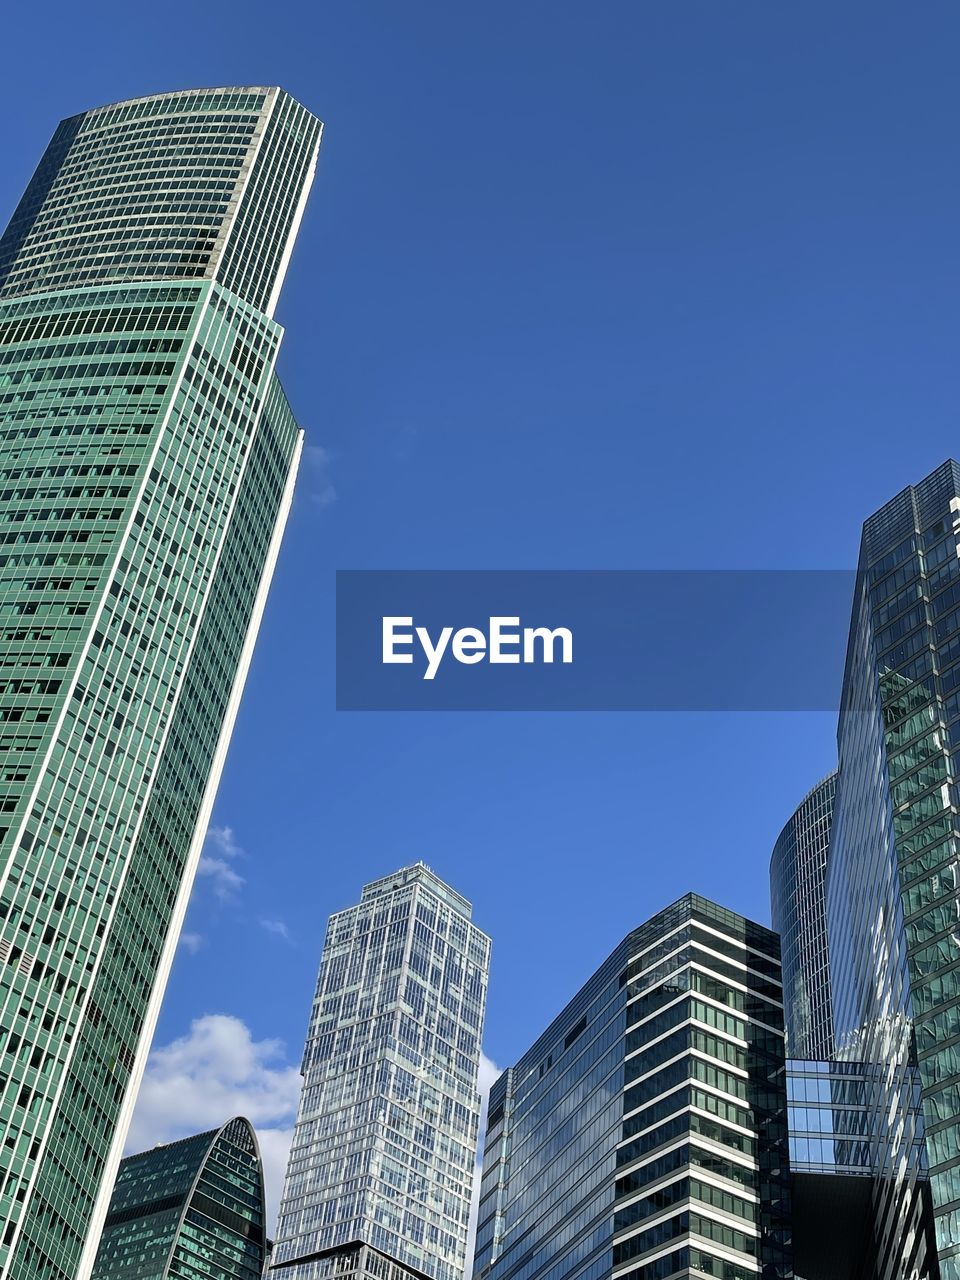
(147, 459)
(190, 1210)
(892, 877)
(798, 868)
(644, 1134)
(381, 1168)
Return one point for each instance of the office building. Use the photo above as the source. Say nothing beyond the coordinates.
(381, 1169)
(892, 905)
(190, 1210)
(644, 1134)
(147, 458)
(798, 868)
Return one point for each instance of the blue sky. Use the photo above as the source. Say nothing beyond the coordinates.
(633, 285)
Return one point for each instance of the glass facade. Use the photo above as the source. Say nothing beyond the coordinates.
(147, 459)
(192, 1210)
(829, 1113)
(798, 868)
(207, 185)
(644, 1134)
(831, 1122)
(381, 1168)
(892, 878)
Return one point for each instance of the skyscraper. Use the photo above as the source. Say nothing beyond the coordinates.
(189, 1210)
(147, 459)
(893, 872)
(798, 869)
(644, 1134)
(381, 1168)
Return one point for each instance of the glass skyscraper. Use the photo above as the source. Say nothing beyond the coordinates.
(147, 460)
(381, 1169)
(798, 868)
(644, 1134)
(893, 871)
(191, 1210)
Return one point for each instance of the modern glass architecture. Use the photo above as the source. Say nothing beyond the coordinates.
(381, 1168)
(191, 1210)
(829, 1110)
(147, 458)
(798, 869)
(893, 871)
(644, 1134)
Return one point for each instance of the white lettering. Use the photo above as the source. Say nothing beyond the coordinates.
(469, 645)
(532, 634)
(391, 639)
(499, 638)
(434, 654)
(506, 642)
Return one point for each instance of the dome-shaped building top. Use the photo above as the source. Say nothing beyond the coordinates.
(190, 1209)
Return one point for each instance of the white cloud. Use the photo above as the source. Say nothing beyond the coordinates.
(206, 1077)
(486, 1075)
(191, 942)
(317, 461)
(218, 1071)
(276, 927)
(274, 1150)
(223, 839)
(227, 882)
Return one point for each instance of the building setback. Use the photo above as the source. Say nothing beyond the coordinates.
(644, 1134)
(892, 877)
(147, 459)
(190, 1210)
(798, 869)
(381, 1168)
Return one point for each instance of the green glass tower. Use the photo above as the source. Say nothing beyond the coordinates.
(147, 461)
(191, 1210)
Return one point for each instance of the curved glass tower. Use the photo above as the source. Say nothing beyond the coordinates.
(147, 461)
(798, 868)
(893, 877)
(191, 1209)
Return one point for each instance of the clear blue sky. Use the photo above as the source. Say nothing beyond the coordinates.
(623, 285)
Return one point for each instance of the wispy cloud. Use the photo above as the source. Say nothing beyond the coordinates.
(215, 1072)
(276, 927)
(223, 839)
(316, 465)
(216, 865)
(191, 942)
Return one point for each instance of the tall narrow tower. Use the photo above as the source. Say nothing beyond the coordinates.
(147, 460)
(381, 1170)
(893, 874)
